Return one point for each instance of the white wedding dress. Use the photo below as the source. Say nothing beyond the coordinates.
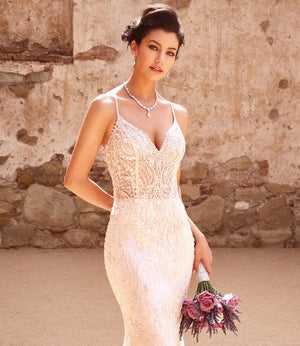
(149, 246)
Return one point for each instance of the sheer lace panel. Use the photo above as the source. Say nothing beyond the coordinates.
(137, 167)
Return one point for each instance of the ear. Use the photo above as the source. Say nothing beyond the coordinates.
(133, 48)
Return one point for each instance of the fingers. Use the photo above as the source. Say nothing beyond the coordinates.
(195, 266)
(203, 254)
(207, 265)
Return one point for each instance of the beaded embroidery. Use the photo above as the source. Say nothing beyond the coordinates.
(149, 246)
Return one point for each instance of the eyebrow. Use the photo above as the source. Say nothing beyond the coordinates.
(160, 44)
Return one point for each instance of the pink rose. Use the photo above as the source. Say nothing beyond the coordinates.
(207, 301)
(184, 307)
(192, 309)
(231, 300)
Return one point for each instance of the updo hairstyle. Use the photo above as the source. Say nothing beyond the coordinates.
(157, 16)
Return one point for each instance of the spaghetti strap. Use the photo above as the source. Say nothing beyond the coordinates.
(173, 112)
(116, 102)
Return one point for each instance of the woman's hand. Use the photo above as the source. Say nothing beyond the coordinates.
(202, 254)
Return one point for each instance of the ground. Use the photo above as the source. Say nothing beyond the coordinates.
(62, 297)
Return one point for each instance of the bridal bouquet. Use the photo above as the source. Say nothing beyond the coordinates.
(209, 309)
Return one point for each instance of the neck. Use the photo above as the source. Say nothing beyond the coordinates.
(142, 89)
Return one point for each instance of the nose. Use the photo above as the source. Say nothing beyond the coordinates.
(160, 58)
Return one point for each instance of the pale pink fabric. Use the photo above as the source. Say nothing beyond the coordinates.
(149, 246)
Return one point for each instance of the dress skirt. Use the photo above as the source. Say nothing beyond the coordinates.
(148, 256)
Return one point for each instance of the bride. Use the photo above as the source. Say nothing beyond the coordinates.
(151, 246)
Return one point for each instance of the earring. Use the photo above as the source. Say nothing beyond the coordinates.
(133, 61)
(168, 74)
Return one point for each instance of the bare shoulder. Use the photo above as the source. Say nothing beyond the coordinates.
(99, 118)
(103, 104)
(180, 110)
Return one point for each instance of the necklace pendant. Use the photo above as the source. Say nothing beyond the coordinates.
(139, 103)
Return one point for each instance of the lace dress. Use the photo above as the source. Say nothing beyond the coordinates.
(149, 246)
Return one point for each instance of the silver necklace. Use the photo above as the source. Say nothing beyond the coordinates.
(148, 109)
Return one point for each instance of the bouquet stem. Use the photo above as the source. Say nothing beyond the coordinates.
(203, 280)
(205, 286)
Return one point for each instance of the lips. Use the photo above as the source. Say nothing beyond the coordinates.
(155, 69)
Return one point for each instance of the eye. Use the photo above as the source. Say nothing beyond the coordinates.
(153, 47)
(171, 53)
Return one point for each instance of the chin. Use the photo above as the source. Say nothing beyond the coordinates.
(157, 78)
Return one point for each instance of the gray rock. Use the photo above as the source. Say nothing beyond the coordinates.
(17, 235)
(101, 241)
(81, 237)
(249, 194)
(49, 173)
(191, 191)
(240, 164)
(6, 220)
(275, 214)
(84, 206)
(93, 220)
(45, 240)
(5, 207)
(224, 188)
(216, 240)
(208, 214)
(240, 218)
(25, 178)
(239, 240)
(277, 188)
(46, 207)
(266, 238)
(198, 171)
(10, 193)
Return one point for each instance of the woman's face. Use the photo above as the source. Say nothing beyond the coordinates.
(156, 54)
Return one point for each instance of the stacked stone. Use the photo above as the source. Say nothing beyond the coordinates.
(239, 85)
(233, 203)
(37, 210)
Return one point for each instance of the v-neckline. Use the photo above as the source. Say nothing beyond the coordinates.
(147, 135)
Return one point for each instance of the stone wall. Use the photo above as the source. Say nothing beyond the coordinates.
(238, 76)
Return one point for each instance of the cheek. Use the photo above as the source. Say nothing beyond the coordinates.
(146, 54)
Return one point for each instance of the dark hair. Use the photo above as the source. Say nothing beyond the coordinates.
(157, 16)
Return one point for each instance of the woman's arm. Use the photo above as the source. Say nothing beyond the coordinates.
(98, 117)
(202, 250)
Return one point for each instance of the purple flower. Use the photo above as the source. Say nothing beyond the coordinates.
(231, 300)
(207, 301)
(218, 308)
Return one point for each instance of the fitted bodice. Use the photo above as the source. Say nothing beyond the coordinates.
(137, 167)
